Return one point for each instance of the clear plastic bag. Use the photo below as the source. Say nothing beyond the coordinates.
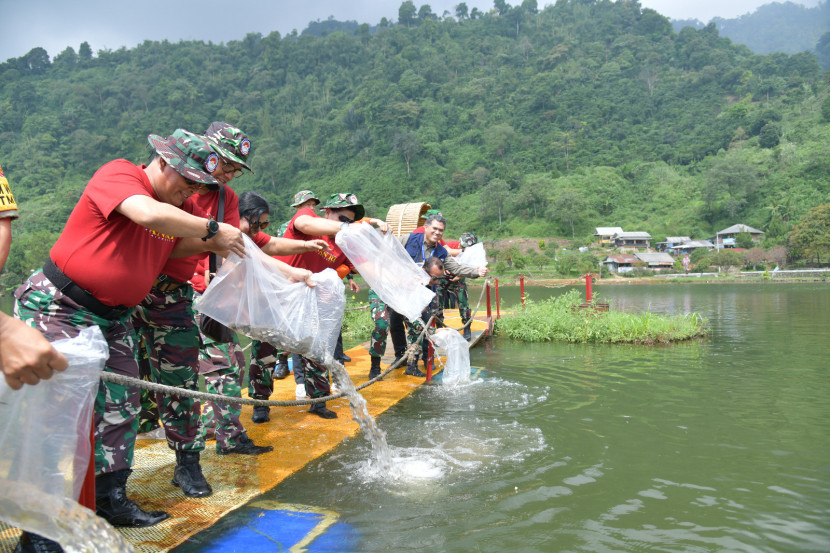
(44, 437)
(457, 366)
(253, 297)
(474, 256)
(383, 262)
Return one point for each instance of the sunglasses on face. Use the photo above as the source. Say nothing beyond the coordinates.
(193, 184)
(230, 169)
(344, 219)
(262, 225)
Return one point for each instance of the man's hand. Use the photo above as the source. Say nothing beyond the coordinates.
(26, 356)
(316, 245)
(381, 224)
(483, 270)
(228, 239)
(300, 275)
(354, 287)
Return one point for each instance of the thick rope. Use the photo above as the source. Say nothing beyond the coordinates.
(480, 296)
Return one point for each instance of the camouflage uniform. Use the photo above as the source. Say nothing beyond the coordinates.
(223, 367)
(169, 346)
(260, 371)
(380, 315)
(41, 305)
(414, 328)
(458, 289)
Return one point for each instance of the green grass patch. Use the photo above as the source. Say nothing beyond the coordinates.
(357, 322)
(559, 319)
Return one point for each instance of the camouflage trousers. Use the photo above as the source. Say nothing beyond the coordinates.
(414, 328)
(41, 305)
(316, 378)
(380, 315)
(223, 367)
(168, 353)
(459, 290)
(264, 358)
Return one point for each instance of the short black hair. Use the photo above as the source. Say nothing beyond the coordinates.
(431, 262)
(253, 205)
(435, 217)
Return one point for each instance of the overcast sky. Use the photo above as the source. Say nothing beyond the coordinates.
(56, 24)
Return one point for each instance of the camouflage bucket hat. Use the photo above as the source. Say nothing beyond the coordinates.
(468, 239)
(431, 212)
(350, 201)
(303, 196)
(229, 142)
(189, 155)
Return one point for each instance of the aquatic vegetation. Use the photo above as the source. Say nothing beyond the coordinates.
(559, 319)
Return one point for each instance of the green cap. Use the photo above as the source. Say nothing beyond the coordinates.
(303, 196)
(229, 142)
(189, 155)
(431, 212)
(336, 201)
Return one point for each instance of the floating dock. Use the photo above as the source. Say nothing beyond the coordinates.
(298, 438)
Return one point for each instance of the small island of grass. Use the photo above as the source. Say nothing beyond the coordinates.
(559, 319)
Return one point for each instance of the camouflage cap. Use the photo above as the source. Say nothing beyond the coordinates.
(432, 212)
(468, 239)
(303, 196)
(229, 142)
(189, 155)
(350, 201)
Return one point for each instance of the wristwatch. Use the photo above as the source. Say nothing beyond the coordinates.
(212, 228)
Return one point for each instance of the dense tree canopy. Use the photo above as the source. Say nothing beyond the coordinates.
(493, 117)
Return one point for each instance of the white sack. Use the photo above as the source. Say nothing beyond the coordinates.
(383, 262)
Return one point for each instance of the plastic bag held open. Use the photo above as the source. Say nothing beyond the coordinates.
(383, 262)
(44, 437)
(474, 256)
(253, 297)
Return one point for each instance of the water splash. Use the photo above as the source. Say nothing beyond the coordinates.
(75, 527)
(360, 413)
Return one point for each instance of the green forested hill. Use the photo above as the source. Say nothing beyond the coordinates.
(516, 122)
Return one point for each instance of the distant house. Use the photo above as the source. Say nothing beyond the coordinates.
(672, 241)
(620, 263)
(605, 235)
(731, 232)
(656, 260)
(688, 247)
(632, 240)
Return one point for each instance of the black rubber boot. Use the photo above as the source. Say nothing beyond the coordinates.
(33, 543)
(412, 369)
(320, 410)
(338, 351)
(188, 475)
(375, 369)
(281, 370)
(245, 446)
(113, 505)
(261, 413)
(467, 334)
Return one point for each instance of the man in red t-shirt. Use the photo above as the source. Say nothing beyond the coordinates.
(127, 223)
(339, 211)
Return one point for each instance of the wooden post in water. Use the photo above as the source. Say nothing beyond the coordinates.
(498, 312)
(522, 288)
(489, 311)
(589, 293)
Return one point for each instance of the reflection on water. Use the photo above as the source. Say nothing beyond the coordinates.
(713, 445)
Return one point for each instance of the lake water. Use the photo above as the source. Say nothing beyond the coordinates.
(719, 444)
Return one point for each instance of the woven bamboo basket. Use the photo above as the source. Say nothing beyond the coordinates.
(404, 218)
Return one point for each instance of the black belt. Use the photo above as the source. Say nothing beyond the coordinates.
(166, 284)
(81, 296)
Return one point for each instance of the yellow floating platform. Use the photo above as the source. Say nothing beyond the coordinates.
(297, 436)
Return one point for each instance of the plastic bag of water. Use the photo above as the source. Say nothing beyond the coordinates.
(252, 296)
(457, 367)
(383, 262)
(474, 256)
(44, 437)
